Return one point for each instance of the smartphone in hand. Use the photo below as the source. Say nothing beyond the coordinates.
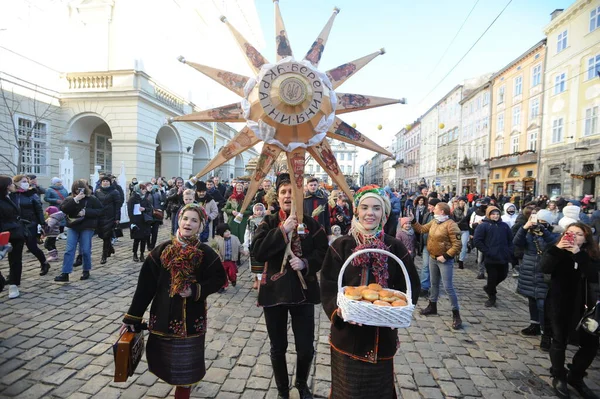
(569, 237)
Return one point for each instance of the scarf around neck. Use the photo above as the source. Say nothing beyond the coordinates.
(180, 257)
(371, 239)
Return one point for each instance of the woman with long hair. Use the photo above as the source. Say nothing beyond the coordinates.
(574, 264)
(177, 277)
(9, 222)
(30, 210)
(362, 357)
(83, 211)
(232, 209)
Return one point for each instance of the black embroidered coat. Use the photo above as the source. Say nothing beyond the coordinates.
(269, 245)
(365, 343)
(175, 317)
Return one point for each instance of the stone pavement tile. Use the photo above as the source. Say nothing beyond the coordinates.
(36, 363)
(406, 381)
(109, 393)
(440, 374)
(12, 377)
(431, 393)
(67, 388)
(467, 388)
(94, 385)
(160, 390)
(16, 388)
(80, 362)
(58, 377)
(12, 352)
(216, 375)
(233, 385)
(79, 395)
(206, 390)
(10, 366)
(409, 394)
(252, 394)
(258, 383)
(88, 372)
(134, 392)
(36, 391)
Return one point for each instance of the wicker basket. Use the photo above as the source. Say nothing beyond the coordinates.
(373, 315)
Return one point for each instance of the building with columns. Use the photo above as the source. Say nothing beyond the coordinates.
(345, 154)
(107, 96)
(570, 156)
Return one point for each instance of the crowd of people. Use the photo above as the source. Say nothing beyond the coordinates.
(551, 247)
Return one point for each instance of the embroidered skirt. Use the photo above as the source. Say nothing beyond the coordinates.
(354, 379)
(177, 361)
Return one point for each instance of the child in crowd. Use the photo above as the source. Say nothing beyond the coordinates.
(406, 234)
(229, 248)
(54, 218)
(336, 232)
(256, 268)
(189, 196)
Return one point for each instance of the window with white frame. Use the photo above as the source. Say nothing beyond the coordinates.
(594, 19)
(534, 108)
(501, 122)
(103, 153)
(486, 98)
(485, 122)
(593, 67)
(318, 168)
(514, 144)
(518, 86)
(536, 75)
(310, 169)
(557, 130)
(591, 121)
(516, 116)
(499, 147)
(561, 42)
(342, 156)
(33, 144)
(532, 138)
(501, 95)
(560, 83)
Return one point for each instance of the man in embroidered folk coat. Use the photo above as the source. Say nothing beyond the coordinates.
(281, 291)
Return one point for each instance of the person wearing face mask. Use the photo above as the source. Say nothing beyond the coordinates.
(510, 214)
(495, 240)
(177, 277)
(533, 238)
(132, 185)
(140, 216)
(281, 291)
(83, 211)
(362, 357)
(574, 265)
(443, 245)
(31, 210)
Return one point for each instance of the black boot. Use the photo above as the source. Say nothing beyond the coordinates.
(282, 380)
(561, 388)
(302, 372)
(431, 309)
(531, 331)
(103, 259)
(545, 343)
(424, 293)
(461, 264)
(142, 257)
(491, 301)
(456, 320)
(63, 277)
(581, 387)
(135, 258)
(45, 269)
(78, 261)
(85, 275)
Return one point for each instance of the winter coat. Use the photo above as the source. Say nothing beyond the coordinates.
(140, 225)
(93, 211)
(212, 211)
(55, 195)
(409, 240)
(365, 343)
(53, 224)
(111, 212)
(311, 202)
(30, 206)
(459, 215)
(269, 246)
(237, 229)
(236, 248)
(568, 284)
(531, 281)
(174, 200)
(509, 219)
(344, 211)
(443, 238)
(9, 219)
(520, 222)
(495, 240)
(168, 314)
(157, 199)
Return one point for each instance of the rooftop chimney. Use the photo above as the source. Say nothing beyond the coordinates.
(556, 13)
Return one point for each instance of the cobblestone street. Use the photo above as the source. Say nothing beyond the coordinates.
(55, 341)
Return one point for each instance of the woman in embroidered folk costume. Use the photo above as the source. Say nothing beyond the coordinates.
(281, 290)
(177, 277)
(232, 207)
(362, 357)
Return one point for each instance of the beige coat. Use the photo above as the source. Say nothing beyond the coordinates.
(444, 238)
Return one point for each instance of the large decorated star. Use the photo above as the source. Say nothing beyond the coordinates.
(291, 106)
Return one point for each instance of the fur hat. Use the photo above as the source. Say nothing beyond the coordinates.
(200, 186)
(282, 178)
(222, 228)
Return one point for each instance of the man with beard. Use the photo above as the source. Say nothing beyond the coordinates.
(210, 208)
(315, 204)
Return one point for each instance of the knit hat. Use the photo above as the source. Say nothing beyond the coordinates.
(433, 201)
(55, 180)
(545, 215)
(282, 178)
(222, 228)
(403, 221)
(491, 209)
(107, 178)
(52, 210)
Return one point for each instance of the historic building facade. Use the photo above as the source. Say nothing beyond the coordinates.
(449, 112)
(570, 161)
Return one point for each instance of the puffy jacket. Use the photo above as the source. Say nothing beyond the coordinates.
(30, 206)
(9, 219)
(509, 219)
(531, 278)
(93, 211)
(54, 193)
(494, 239)
(111, 212)
(443, 239)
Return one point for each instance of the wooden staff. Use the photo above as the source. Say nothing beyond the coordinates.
(288, 251)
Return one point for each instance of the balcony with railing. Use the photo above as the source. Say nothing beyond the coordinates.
(513, 159)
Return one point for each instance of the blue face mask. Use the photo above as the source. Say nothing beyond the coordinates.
(477, 205)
